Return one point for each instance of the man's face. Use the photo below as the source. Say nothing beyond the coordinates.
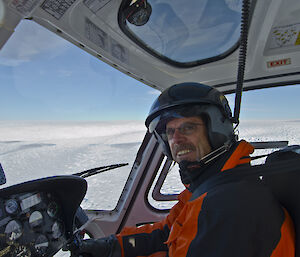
(189, 140)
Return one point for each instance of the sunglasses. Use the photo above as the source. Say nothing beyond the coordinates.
(186, 129)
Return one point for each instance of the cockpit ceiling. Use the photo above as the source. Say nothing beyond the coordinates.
(174, 35)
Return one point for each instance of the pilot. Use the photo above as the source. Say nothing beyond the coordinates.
(193, 124)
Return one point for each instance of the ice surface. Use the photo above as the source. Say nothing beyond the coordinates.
(30, 150)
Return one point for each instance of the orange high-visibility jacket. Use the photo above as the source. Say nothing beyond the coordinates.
(237, 219)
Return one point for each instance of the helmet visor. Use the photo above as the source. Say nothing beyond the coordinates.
(159, 123)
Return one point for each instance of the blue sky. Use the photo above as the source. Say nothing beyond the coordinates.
(46, 78)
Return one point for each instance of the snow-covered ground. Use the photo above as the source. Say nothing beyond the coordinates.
(30, 150)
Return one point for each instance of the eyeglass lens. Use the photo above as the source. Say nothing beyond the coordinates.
(184, 129)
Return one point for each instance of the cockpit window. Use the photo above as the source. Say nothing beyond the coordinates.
(208, 29)
(63, 111)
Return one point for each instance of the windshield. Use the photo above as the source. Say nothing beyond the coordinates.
(63, 111)
(207, 29)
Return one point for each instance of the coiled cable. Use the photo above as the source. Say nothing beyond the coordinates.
(242, 59)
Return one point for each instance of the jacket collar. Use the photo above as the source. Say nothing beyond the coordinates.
(194, 173)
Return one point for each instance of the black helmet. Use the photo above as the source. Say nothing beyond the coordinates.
(192, 99)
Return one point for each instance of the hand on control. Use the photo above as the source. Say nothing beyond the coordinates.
(101, 247)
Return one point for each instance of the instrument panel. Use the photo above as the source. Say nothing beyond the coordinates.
(31, 224)
(37, 217)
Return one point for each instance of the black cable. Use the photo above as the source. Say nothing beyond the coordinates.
(242, 59)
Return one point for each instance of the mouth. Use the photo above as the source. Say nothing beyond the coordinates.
(183, 152)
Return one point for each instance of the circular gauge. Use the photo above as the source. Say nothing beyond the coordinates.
(52, 209)
(21, 251)
(41, 244)
(13, 230)
(35, 219)
(57, 230)
(11, 206)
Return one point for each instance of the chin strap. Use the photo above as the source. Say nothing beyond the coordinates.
(215, 153)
